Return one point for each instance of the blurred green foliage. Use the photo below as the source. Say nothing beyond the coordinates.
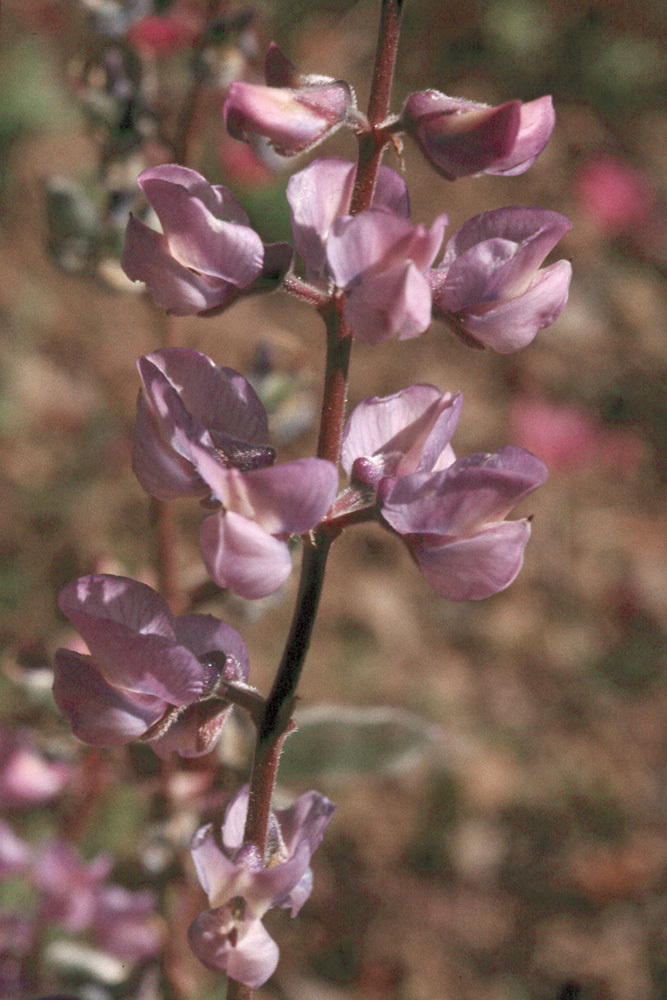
(31, 97)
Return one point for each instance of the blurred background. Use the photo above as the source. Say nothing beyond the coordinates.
(499, 766)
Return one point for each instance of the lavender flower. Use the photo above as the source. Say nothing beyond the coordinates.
(241, 885)
(149, 675)
(124, 923)
(489, 284)
(322, 193)
(460, 137)
(76, 895)
(68, 885)
(206, 254)
(294, 112)
(450, 513)
(202, 430)
(377, 256)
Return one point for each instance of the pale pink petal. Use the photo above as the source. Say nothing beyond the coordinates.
(100, 714)
(469, 280)
(249, 954)
(292, 497)
(235, 819)
(291, 119)
(399, 426)
(470, 569)
(199, 239)
(494, 256)
(276, 882)
(215, 871)
(537, 123)
(391, 192)
(206, 634)
(130, 633)
(306, 819)
(146, 257)
(391, 303)
(189, 406)
(317, 196)
(509, 326)
(218, 397)
(217, 199)
(242, 556)
(161, 470)
(322, 193)
(540, 228)
(461, 137)
(460, 500)
(361, 242)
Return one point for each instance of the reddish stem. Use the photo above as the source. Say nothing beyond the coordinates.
(372, 144)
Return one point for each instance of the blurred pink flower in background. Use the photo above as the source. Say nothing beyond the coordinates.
(15, 854)
(618, 197)
(26, 777)
(567, 437)
(158, 36)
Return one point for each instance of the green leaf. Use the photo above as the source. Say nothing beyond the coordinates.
(339, 742)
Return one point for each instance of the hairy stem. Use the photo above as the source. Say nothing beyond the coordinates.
(372, 144)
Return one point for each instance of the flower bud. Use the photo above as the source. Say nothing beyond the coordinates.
(293, 112)
(460, 137)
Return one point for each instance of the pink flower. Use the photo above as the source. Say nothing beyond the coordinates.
(293, 112)
(124, 923)
(26, 777)
(380, 260)
(377, 257)
(149, 675)
(187, 401)
(321, 194)
(489, 284)
(76, 895)
(460, 137)
(241, 885)
(68, 885)
(206, 255)
(201, 430)
(450, 513)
